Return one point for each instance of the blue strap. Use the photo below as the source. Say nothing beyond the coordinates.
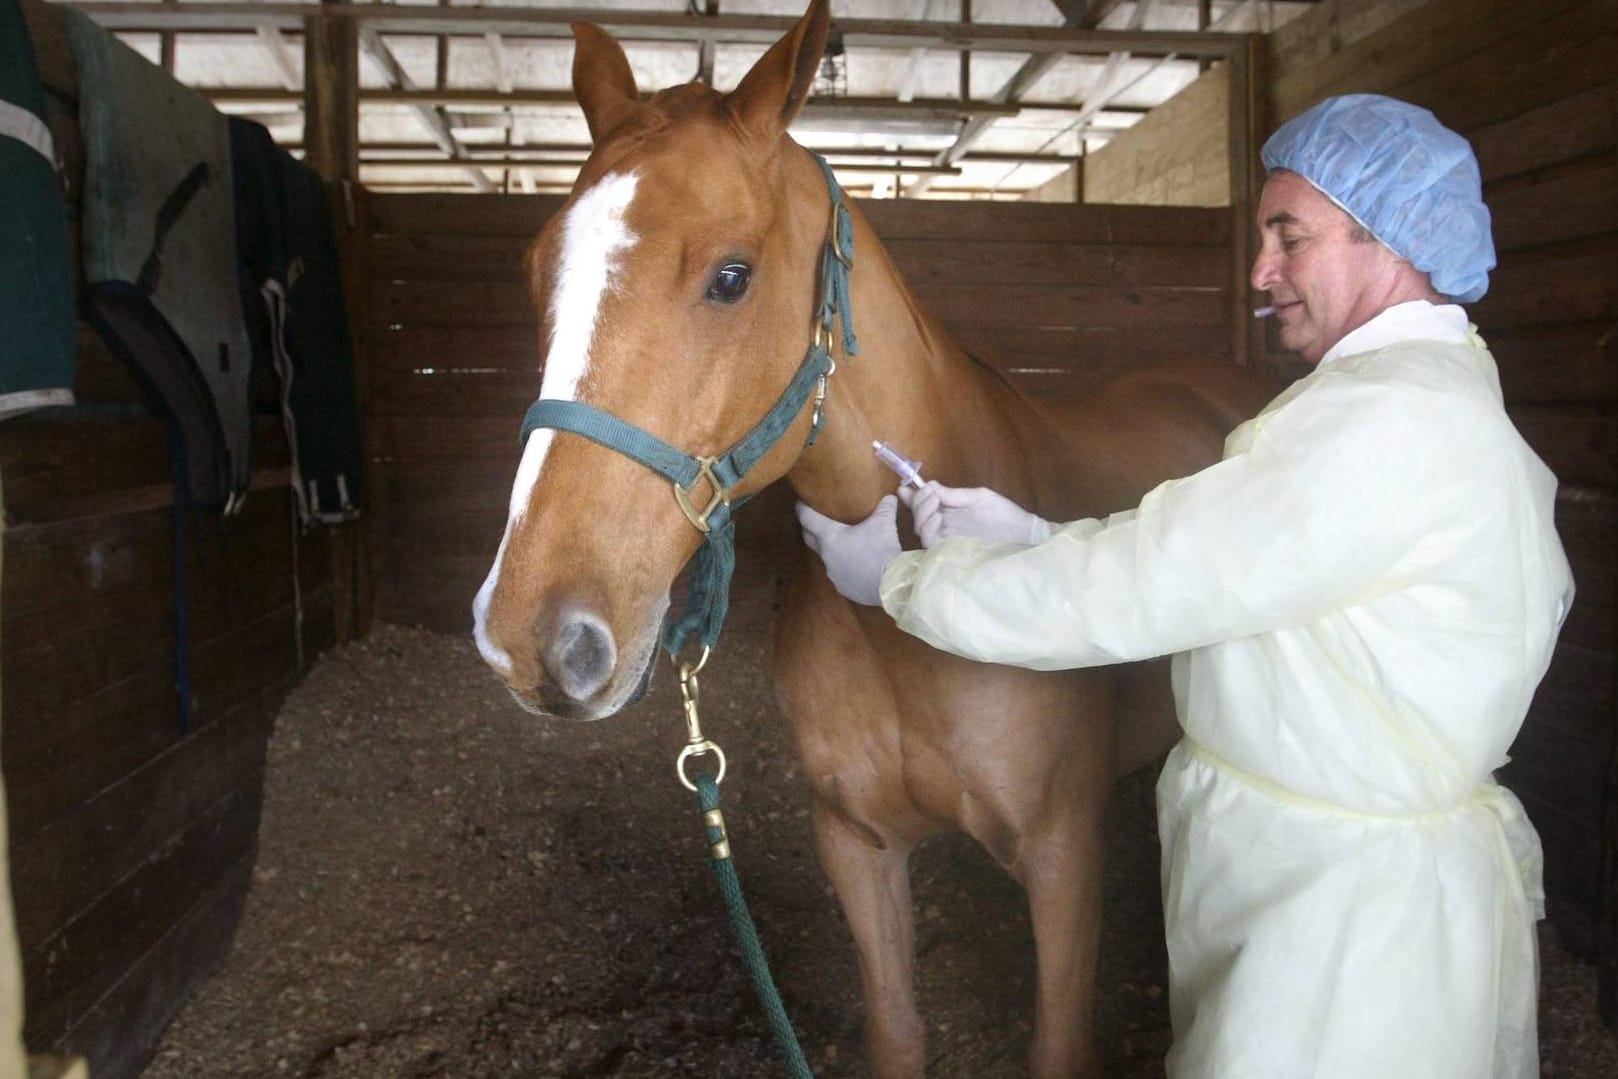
(835, 262)
(613, 433)
(182, 636)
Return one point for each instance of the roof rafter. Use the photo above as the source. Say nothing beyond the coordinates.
(432, 117)
(655, 26)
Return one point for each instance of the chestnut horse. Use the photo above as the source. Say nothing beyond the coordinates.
(675, 290)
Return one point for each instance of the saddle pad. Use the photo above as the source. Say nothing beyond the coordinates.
(159, 247)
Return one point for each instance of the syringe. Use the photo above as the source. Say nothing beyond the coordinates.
(907, 470)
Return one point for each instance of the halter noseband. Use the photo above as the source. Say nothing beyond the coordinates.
(712, 565)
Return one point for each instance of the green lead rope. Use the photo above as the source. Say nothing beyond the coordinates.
(758, 968)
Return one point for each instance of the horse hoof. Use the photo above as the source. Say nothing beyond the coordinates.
(581, 656)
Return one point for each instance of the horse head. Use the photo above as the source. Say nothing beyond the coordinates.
(675, 290)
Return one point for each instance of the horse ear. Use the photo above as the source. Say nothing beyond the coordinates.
(602, 81)
(771, 94)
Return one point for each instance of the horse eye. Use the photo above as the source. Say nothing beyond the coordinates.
(730, 283)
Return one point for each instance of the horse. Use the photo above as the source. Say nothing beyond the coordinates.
(675, 292)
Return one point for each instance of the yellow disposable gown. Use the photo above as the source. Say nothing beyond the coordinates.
(1362, 597)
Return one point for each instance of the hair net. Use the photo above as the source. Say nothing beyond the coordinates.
(1406, 177)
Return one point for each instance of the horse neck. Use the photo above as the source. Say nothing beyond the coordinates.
(913, 387)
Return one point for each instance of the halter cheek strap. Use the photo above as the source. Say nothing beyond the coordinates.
(714, 562)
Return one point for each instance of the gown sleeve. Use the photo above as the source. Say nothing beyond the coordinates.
(1332, 491)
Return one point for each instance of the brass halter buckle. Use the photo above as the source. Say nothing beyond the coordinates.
(721, 497)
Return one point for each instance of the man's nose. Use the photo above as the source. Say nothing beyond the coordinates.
(1265, 270)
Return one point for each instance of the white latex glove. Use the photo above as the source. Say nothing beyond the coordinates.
(854, 554)
(941, 512)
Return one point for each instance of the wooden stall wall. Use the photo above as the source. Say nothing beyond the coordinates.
(1534, 85)
(1056, 295)
(1177, 155)
(132, 843)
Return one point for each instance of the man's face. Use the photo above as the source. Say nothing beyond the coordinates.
(1323, 282)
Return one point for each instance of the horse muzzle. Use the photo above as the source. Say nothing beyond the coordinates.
(569, 665)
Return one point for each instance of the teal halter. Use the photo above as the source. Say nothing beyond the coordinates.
(709, 595)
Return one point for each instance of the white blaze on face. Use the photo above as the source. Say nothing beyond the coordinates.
(594, 239)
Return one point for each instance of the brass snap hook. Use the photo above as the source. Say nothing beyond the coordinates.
(695, 744)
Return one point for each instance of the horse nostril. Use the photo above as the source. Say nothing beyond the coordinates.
(581, 657)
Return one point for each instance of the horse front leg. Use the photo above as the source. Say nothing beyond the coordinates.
(1062, 874)
(873, 885)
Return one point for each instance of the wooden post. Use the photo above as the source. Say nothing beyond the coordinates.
(14, 1060)
(1245, 100)
(331, 116)
(331, 148)
(1607, 928)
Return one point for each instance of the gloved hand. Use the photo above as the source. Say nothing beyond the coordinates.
(941, 512)
(854, 554)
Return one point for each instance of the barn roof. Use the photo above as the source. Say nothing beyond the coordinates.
(916, 98)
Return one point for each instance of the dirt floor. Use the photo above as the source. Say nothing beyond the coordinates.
(450, 887)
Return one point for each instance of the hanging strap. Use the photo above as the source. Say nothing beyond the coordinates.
(173, 206)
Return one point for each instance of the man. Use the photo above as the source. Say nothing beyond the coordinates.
(1361, 598)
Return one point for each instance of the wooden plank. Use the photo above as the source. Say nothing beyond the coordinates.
(490, 304)
(946, 261)
(1312, 37)
(999, 305)
(1549, 759)
(1556, 283)
(119, 1031)
(1572, 362)
(522, 216)
(1588, 525)
(99, 376)
(455, 257)
(45, 458)
(484, 396)
(1558, 202)
(68, 970)
(59, 565)
(1573, 864)
(228, 585)
(1092, 347)
(1579, 444)
(456, 304)
(67, 868)
(60, 459)
(1429, 37)
(401, 350)
(462, 215)
(1560, 54)
(1579, 696)
(1564, 130)
(100, 739)
(1000, 222)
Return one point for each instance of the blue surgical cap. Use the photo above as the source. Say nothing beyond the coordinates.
(1411, 181)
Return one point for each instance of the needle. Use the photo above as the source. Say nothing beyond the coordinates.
(907, 470)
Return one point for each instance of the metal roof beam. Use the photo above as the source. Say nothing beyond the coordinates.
(432, 117)
(657, 26)
(275, 43)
